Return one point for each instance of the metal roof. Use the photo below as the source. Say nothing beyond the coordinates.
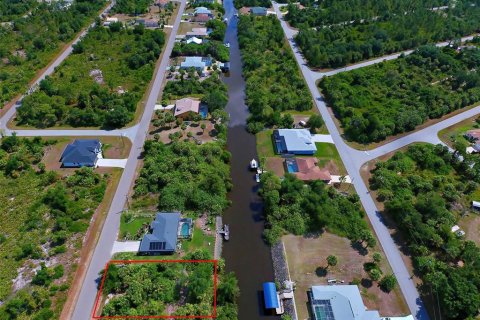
(193, 62)
(340, 302)
(270, 295)
(297, 140)
(164, 230)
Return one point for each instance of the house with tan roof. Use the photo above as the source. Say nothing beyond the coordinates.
(186, 107)
(307, 169)
(473, 134)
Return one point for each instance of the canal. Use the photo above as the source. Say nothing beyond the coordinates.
(246, 254)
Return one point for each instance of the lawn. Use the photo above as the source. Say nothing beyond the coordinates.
(265, 144)
(305, 257)
(327, 152)
(130, 226)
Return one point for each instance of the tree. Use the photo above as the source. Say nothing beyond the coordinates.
(388, 282)
(377, 257)
(315, 122)
(203, 126)
(332, 260)
(375, 274)
(228, 290)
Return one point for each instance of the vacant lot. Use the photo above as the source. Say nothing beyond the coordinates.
(306, 255)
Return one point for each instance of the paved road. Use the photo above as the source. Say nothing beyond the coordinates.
(352, 165)
(49, 70)
(83, 309)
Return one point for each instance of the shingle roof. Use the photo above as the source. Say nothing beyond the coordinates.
(345, 302)
(186, 105)
(164, 230)
(82, 151)
(308, 170)
(202, 17)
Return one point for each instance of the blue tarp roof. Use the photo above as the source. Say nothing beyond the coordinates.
(270, 295)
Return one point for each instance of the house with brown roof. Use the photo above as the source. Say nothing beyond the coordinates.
(307, 169)
(473, 134)
(186, 108)
(202, 17)
(244, 10)
(161, 3)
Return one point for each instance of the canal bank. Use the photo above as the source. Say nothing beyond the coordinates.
(246, 254)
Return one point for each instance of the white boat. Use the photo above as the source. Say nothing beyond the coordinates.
(227, 45)
(257, 177)
(253, 164)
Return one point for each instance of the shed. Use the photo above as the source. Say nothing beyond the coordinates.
(163, 235)
(81, 153)
(270, 295)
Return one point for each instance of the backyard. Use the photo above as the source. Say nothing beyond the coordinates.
(306, 257)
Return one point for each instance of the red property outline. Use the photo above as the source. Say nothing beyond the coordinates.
(214, 315)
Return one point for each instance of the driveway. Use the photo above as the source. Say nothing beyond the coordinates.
(113, 163)
(322, 138)
(125, 246)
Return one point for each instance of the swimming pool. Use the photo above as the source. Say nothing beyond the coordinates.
(185, 230)
(203, 111)
(291, 165)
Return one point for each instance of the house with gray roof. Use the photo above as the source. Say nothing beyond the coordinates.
(163, 235)
(81, 153)
(293, 141)
(202, 10)
(198, 63)
(339, 302)
(258, 11)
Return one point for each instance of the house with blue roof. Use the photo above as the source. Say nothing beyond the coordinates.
(81, 153)
(339, 302)
(198, 63)
(293, 141)
(258, 11)
(163, 235)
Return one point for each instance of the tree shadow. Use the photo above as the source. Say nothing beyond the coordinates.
(321, 271)
(366, 283)
(359, 248)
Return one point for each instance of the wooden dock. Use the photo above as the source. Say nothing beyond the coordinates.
(217, 252)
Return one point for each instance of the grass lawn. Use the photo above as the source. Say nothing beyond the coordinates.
(326, 152)
(305, 257)
(265, 144)
(199, 240)
(131, 227)
(455, 133)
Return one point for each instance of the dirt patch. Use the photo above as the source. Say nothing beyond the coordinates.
(275, 165)
(197, 133)
(307, 257)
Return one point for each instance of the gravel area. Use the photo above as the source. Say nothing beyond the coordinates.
(281, 274)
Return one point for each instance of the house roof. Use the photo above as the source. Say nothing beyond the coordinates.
(194, 40)
(81, 151)
(202, 17)
(473, 133)
(340, 302)
(186, 105)
(195, 62)
(258, 10)
(244, 10)
(297, 140)
(308, 170)
(202, 10)
(197, 32)
(164, 233)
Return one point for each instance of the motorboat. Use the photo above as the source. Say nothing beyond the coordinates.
(227, 44)
(253, 164)
(257, 177)
(226, 232)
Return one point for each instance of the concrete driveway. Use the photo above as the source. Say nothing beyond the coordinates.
(113, 163)
(125, 246)
(322, 138)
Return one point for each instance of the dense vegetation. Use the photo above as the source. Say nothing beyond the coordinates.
(274, 83)
(392, 97)
(186, 176)
(252, 3)
(337, 45)
(426, 190)
(133, 7)
(83, 90)
(329, 12)
(31, 42)
(294, 207)
(43, 217)
(148, 289)
(212, 90)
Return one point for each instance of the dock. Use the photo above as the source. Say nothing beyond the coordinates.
(217, 252)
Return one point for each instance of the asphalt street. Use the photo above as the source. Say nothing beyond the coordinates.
(350, 158)
(84, 306)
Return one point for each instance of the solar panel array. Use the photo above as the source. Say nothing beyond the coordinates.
(157, 245)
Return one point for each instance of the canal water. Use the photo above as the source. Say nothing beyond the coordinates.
(246, 254)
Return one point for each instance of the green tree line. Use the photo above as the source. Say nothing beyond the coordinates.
(274, 83)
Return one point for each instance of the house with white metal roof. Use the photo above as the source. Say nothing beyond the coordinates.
(293, 141)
